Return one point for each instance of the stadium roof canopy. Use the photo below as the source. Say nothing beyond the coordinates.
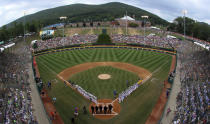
(127, 18)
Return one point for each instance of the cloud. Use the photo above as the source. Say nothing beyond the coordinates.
(11, 10)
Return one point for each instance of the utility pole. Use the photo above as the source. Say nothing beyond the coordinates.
(63, 18)
(126, 23)
(24, 26)
(144, 24)
(184, 12)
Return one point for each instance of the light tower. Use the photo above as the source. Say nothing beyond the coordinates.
(63, 18)
(144, 17)
(24, 28)
(184, 12)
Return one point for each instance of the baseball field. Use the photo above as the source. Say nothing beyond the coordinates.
(109, 69)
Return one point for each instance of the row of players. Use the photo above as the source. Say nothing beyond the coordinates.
(101, 109)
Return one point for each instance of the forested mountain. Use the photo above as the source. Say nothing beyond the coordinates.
(84, 12)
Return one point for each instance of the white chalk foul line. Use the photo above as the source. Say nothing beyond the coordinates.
(105, 114)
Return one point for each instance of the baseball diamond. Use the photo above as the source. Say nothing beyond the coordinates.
(92, 62)
(82, 67)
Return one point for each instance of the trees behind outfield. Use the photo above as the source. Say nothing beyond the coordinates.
(104, 39)
(134, 25)
(195, 29)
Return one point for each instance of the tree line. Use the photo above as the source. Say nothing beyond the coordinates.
(17, 29)
(193, 28)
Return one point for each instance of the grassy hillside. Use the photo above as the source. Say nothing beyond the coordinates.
(83, 12)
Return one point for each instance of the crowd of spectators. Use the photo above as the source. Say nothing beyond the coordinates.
(156, 41)
(65, 41)
(15, 98)
(193, 99)
(148, 40)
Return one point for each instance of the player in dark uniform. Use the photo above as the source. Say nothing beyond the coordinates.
(105, 109)
(110, 108)
(96, 108)
(100, 109)
(92, 109)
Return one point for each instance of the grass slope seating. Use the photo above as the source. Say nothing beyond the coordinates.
(104, 39)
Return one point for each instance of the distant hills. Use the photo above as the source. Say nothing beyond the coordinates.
(84, 12)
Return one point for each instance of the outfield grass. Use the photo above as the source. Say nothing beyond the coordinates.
(134, 110)
(102, 89)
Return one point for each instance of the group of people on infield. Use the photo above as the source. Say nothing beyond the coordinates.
(101, 109)
(83, 92)
(127, 92)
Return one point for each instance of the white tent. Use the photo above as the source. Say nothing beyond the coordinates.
(171, 37)
(152, 27)
(127, 18)
(9, 45)
(150, 35)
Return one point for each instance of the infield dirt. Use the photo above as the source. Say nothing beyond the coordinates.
(67, 73)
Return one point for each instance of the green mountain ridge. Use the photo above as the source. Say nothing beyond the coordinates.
(84, 12)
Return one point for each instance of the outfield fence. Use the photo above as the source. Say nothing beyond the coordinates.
(103, 46)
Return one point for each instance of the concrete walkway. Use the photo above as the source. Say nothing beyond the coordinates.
(172, 99)
(39, 111)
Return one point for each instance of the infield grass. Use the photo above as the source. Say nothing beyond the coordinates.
(134, 110)
(102, 89)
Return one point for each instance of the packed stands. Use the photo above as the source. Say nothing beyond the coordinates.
(66, 41)
(117, 38)
(149, 40)
(15, 98)
(193, 99)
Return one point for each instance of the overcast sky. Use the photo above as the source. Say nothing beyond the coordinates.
(166, 9)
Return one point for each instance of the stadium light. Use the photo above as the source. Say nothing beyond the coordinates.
(184, 12)
(126, 23)
(24, 26)
(144, 23)
(63, 18)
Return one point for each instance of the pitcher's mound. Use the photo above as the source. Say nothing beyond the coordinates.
(104, 76)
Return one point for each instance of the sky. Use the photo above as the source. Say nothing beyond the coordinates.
(199, 10)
